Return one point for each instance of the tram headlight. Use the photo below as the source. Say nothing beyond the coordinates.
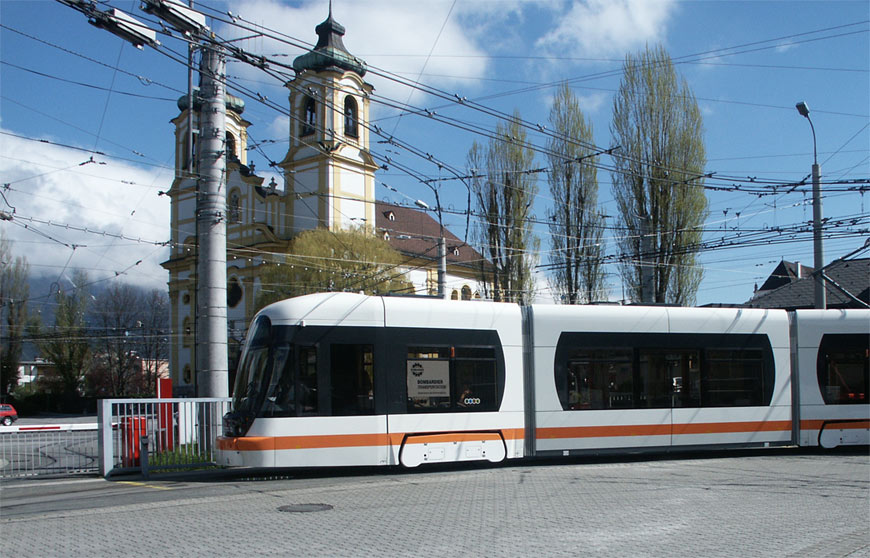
(236, 423)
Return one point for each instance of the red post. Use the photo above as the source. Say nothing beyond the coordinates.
(165, 426)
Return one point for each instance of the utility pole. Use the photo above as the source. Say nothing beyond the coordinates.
(211, 268)
(211, 230)
(820, 296)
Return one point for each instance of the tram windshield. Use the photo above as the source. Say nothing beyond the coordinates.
(254, 377)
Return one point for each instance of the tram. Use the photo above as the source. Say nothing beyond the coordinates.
(341, 379)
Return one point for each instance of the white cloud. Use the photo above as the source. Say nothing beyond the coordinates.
(392, 35)
(56, 198)
(592, 102)
(609, 28)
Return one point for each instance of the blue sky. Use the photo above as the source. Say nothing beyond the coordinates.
(88, 94)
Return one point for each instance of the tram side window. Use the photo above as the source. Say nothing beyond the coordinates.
(734, 378)
(351, 379)
(662, 371)
(474, 372)
(843, 369)
(460, 379)
(600, 379)
(669, 378)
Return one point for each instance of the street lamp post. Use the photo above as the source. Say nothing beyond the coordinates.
(818, 255)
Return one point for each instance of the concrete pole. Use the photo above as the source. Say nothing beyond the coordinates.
(211, 265)
(818, 255)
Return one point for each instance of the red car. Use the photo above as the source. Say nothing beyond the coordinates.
(8, 414)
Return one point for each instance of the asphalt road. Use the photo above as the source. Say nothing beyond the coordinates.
(773, 503)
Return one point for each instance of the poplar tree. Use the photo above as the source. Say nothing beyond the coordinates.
(658, 180)
(14, 291)
(504, 190)
(66, 345)
(576, 224)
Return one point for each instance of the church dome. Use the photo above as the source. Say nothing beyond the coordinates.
(330, 52)
(233, 103)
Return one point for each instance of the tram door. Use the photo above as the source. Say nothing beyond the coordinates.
(359, 436)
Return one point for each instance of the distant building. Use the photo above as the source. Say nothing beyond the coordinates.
(792, 286)
(329, 182)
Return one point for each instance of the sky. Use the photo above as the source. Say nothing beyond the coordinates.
(87, 152)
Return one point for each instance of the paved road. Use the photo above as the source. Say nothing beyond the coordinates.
(753, 504)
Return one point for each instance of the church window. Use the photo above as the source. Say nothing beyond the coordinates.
(456, 250)
(454, 295)
(309, 117)
(351, 120)
(231, 147)
(466, 292)
(235, 208)
(234, 293)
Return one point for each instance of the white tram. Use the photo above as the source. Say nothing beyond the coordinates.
(345, 379)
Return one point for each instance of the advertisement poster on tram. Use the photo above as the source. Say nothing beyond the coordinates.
(428, 378)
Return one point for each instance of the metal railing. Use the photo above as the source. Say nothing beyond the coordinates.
(158, 434)
(61, 449)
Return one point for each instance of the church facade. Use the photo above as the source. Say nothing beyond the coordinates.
(329, 182)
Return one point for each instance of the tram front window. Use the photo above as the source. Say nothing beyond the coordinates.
(252, 380)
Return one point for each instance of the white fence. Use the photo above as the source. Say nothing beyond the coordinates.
(58, 449)
(158, 434)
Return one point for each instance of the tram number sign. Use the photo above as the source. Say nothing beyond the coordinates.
(428, 378)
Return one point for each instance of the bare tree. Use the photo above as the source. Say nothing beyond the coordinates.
(504, 191)
(117, 314)
(658, 179)
(576, 224)
(153, 342)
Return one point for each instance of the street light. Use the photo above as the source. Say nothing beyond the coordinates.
(818, 256)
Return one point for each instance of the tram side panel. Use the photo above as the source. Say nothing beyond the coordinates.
(444, 409)
(833, 370)
(579, 407)
(744, 394)
(634, 378)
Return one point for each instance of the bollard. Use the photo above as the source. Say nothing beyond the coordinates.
(143, 452)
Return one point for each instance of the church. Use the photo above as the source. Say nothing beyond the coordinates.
(329, 182)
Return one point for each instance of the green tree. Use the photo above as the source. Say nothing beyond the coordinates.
(66, 344)
(14, 291)
(576, 224)
(325, 261)
(504, 191)
(658, 179)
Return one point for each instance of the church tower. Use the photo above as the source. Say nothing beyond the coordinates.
(328, 170)
(243, 189)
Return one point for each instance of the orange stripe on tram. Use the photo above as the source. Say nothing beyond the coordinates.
(268, 443)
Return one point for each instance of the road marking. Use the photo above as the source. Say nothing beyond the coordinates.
(135, 483)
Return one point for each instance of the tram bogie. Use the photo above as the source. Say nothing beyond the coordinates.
(343, 379)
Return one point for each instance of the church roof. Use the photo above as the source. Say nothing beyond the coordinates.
(329, 53)
(416, 233)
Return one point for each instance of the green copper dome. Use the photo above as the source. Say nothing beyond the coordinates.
(329, 53)
(233, 103)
